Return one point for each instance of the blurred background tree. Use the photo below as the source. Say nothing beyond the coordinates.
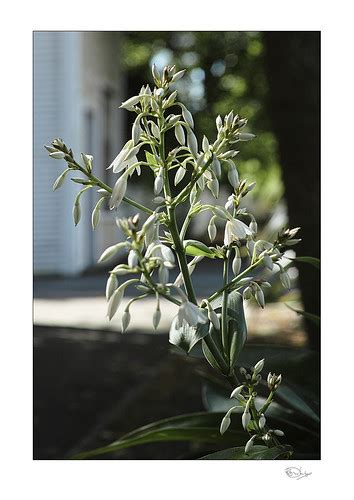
(273, 80)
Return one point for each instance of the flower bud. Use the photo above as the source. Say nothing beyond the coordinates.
(232, 175)
(114, 302)
(285, 279)
(112, 284)
(247, 293)
(132, 259)
(225, 424)
(136, 131)
(179, 133)
(278, 432)
(236, 392)
(125, 320)
(212, 230)
(179, 175)
(118, 192)
(245, 137)
(158, 184)
(253, 226)
(187, 116)
(156, 318)
(57, 155)
(268, 262)
(259, 296)
(246, 418)
(249, 443)
(262, 421)
(130, 103)
(192, 143)
(258, 367)
(236, 263)
(177, 76)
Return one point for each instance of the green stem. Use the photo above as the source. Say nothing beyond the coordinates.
(173, 226)
(102, 185)
(233, 282)
(224, 325)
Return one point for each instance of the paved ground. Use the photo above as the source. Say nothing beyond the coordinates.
(80, 303)
(92, 385)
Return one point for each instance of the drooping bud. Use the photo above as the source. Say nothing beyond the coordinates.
(156, 318)
(249, 443)
(125, 320)
(114, 302)
(112, 284)
(225, 424)
(236, 392)
(179, 133)
(179, 175)
(246, 418)
(262, 421)
(236, 263)
(212, 230)
(192, 143)
(118, 192)
(158, 184)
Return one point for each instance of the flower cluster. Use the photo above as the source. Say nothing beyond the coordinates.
(253, 412)
(157, 245)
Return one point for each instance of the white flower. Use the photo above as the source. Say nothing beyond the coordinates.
(235, 229)
(191, 314)
(285, 279)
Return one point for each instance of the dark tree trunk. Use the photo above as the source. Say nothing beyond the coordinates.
(293, 69)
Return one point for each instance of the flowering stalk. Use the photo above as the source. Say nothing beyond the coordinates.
(151, 255)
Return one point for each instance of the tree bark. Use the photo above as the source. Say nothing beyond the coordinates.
(293, 69)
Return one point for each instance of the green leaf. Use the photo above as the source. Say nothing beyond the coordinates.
(191, 427)
(294, 400)
(151, 160)
(236, 325)
(314, 261)
(197, 248)
(186, 336)
(311, 317)
(257, 452)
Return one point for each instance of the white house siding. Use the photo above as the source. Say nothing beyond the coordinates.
(71, 71)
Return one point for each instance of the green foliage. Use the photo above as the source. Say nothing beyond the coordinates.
(257, 452)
